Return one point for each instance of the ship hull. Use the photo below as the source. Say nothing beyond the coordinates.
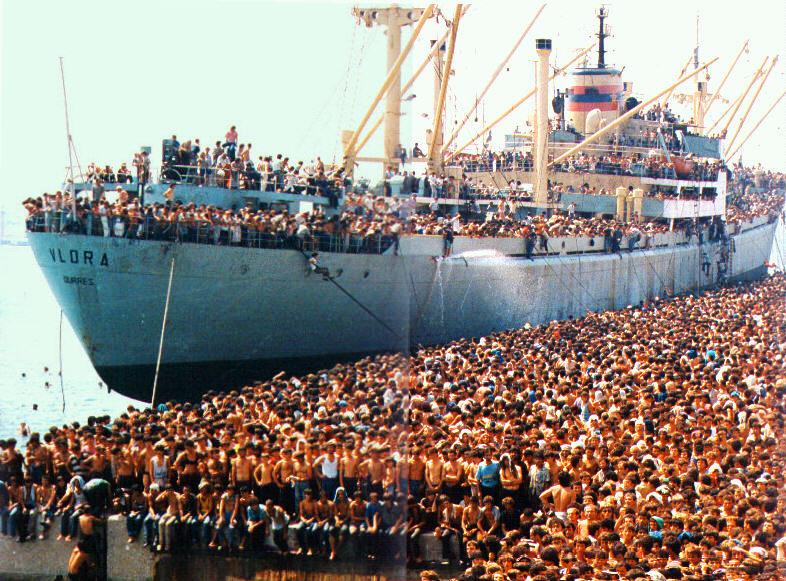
(238, 314)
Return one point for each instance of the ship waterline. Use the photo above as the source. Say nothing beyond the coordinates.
(238, 314)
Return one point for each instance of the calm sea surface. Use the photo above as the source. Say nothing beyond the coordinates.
(29, 331)
(29, 349)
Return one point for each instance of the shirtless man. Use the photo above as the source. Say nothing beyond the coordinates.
(61, 460)
(348, 470)
(434, 471)
(37, 458)
(242, 469)
(263, 477)
(302, 473)
(470, 518)
(282, 476)
(417, 473)
(357, 521)
(307, 511)
(402, 475)
(452, 472)
(124, 467)
(96, 463)
(375, 469)
(80, 563)
(560, 496)
(168, 522)
(47, 500)
(215, 468)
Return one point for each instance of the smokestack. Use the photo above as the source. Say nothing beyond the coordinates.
(540, 149)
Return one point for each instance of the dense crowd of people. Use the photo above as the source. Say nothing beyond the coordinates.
(643, 442)
(744, 179)
(366, 224)
(746, 206)
(227, 164)
(613, 163)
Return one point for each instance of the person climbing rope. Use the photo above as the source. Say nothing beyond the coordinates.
(313, 264)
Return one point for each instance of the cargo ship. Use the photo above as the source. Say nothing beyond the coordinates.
(189, 316)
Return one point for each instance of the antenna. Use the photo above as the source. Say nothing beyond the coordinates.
(71, 147)
(696, 50)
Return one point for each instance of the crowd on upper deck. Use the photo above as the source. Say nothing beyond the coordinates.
(227, 164)
(643, 443)
(612, 163)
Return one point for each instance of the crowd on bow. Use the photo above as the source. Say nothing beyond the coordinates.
(646, 441)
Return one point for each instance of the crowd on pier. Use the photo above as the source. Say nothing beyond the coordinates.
(643, 443)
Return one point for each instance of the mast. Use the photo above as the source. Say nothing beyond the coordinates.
(717, 92)
(71, 150)
(602, 15)
(541, 134)
(435, 157)
(755, 127)
(438, 138)
(393, 18)
(700, 94)
(753, 101)
(493, 78)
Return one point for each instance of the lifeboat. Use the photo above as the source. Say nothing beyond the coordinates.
(683, 166)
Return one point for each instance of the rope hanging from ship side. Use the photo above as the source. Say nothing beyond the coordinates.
(60, 355)
(782, 264)
(578, 280)
(567, 287)
(314, 267)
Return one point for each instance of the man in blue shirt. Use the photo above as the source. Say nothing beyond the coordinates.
(372, 525)
(4, 502)
(257, 521)
(488, 476)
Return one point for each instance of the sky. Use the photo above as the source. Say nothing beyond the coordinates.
(291, 75)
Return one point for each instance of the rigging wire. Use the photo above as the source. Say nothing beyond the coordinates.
(356, 69)
(346, 79)
(60, 355)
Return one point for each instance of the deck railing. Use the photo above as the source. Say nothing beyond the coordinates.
(246, 179)
(207, 233)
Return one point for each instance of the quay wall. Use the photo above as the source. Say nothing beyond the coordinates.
(43, 560)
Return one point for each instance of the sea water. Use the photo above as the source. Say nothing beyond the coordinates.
(30, 352)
